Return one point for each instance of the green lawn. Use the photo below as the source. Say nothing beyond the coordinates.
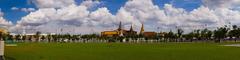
(121, 51)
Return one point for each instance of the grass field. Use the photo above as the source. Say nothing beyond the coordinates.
(122, 51)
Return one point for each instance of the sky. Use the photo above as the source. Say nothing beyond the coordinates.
(92, 16)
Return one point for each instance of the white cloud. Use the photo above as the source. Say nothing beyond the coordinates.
(14, 8)
(169, 17)
(23, 9)
(3, 22)
(90, 3)
(71, 16)
(53, 3)
(221, 3)
(78, 19)
(27, 9)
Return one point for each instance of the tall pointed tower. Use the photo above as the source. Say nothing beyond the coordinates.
(120, 26)
(131, 29)
(142, 29)
(120, 29)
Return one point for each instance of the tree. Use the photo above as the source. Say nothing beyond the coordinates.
(180, 32)
(37, 35)
(55, 38)
(206, 34)
(24, 37)
(234, 33)
(49, 37)
(18, 37)
(189, 36)
(220, 33)
(195, 35)
(209, 34)
(3, 35)
(43, 38)
(170, 36)
(234, 27)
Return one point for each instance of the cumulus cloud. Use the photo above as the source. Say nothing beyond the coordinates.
(90, 3)
(170, 17)
(3, 22)
(53, 3)
(78, 19)
(73, 15)
(221, 3)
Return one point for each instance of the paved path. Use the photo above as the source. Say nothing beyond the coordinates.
(236, 45)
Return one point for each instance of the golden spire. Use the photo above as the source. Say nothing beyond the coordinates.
(142, 29)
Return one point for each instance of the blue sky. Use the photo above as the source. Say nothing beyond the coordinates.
(12, 15)
(112, 5)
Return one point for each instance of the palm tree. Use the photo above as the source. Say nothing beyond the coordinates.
(180, 32)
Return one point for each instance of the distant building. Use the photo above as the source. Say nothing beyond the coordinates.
(122, 32)
(149, 34)
(130, 32)
(110, 33)
(119, 32)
